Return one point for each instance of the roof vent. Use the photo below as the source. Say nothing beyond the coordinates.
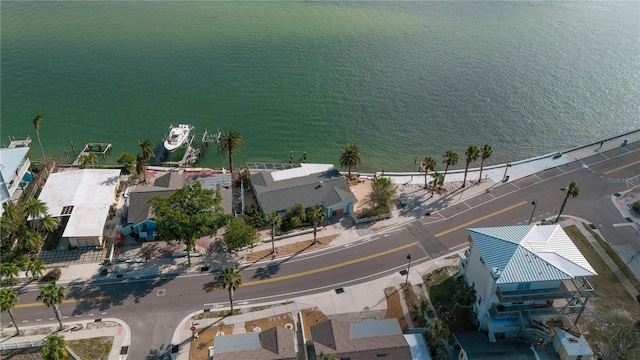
(321, 183)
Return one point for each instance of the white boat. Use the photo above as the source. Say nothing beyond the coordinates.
(177, 136)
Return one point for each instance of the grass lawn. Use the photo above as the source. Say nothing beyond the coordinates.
(441, 296)
(610, 304)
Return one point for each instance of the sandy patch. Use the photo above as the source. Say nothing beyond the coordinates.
(361, 190)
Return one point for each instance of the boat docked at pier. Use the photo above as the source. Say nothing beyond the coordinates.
(178, 136)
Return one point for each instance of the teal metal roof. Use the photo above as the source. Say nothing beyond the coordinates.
(530, 253)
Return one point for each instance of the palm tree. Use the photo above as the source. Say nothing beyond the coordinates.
(9, 270)
(464, 295)
(146, 148)
(35, 266)
(316, 215)
(12, 220)
(231, 279)
(275, 220)
(47, 225)
(228, 143)
(55, 348)
(572, 191)
(88, 160)
(429, 164)
(36, 125)
(450, 158)
(29, 240)
(350, 156)
(472, 155)
(34, 209)
(8, 300)
(438, 180)
(485, 153)
(52, 295)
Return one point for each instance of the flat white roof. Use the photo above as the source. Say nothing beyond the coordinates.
(90, 191)
(303, 170)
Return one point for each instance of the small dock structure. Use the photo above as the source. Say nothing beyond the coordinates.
(98, 148)
(19, 143)
(191, 154)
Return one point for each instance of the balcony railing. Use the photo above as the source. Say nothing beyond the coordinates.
(561, 292)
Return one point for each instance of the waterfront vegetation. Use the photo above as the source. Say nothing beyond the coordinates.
(25, 227)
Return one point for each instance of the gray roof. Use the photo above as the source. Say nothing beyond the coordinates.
(530, 253)
(325, 188)
(478, 347)
(170, 180)
(139, 208)
(380, 337)
(275, 343)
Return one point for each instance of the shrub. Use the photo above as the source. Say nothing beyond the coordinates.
(636, 207)
(53, 275)
(254, 217)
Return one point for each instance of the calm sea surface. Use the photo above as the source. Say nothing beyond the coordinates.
(399, 79)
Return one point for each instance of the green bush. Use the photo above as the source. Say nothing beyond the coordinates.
(254, 217)
(636, 207)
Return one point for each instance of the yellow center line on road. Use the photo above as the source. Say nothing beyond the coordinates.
(481, 218)
(66, 301)
(330, 267)
(621, 167)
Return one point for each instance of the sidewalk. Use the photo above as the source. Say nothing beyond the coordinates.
(107, 327)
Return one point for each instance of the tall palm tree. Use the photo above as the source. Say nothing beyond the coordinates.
(9, 270)
(350, 156)
(88, 160)
(572, 191)
(316, 215)
(275, 220)
(146, 149)
(12, 220)
(450, 158)
(429, 164)
(29, 240)
(36, 125)
(35, 209)
(485, 153)
(472, 155)
(8, 300)
(231, 279)
(55, 348)
(35, 266)
(464, 295)
(47, 225)
(438, 180)
(228, 143)
(52, 295)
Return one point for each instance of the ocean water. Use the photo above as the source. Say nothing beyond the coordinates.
(400, 79)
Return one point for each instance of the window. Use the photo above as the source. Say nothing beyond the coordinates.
(524, 286)
(66, 210)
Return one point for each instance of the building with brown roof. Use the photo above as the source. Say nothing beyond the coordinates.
(367, 339)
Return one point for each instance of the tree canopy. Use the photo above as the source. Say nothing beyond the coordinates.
(350, 157)
(239, 234)
(187, 214)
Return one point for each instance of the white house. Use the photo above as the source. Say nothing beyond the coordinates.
(81, 200)
(527, 279)
(14, 164)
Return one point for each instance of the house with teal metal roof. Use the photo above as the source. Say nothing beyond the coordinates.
(527, 278)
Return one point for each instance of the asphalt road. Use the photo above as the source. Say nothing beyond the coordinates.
(153, 307)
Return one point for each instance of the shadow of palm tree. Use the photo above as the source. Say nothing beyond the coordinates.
(266, 272)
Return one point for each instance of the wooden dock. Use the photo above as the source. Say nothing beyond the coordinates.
(98, 148)
(191, 154)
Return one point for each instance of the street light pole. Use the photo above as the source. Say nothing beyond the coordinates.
(406, 281)
(506, 168)
(534, 203)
